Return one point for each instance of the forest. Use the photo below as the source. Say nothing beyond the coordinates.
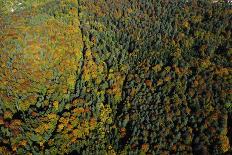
(115, 77)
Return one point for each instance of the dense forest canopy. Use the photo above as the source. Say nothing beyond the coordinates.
(115, 77)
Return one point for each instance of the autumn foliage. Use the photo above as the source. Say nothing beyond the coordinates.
(116, 77)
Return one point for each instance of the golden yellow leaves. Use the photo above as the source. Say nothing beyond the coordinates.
(103, 119)
(4, 151)
(42, 128)
(23, 143)
(180, 71)
(157, 68)
(77, 111)
(51, 116)
(188, 110)
(167, 78)
(167, 69)
(74, 127)
(71, 81)
(145, 147)
(78, 101)
(8, 115)
(77, 133)
(14, 147)
(160, 82)
(129, 10)
(56, 105)
(197, 19)
(42, 54)
(105, 114)
(46, 124)
(44, 60)
(15, 123)
(64, 3)
(73, 11)
(111, 150)
(221, 71)
(89, 71)
(92, 70)
(118, 13)
(116, 88)
(92, 123)
(205, 63)
(60, 127)
(64, 121)
(225, 144)
(186, 24)
(177, 53)
(24, 105)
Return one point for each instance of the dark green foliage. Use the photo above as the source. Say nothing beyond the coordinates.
(178, 72)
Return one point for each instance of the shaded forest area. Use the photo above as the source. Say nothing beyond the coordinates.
(116, 77)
